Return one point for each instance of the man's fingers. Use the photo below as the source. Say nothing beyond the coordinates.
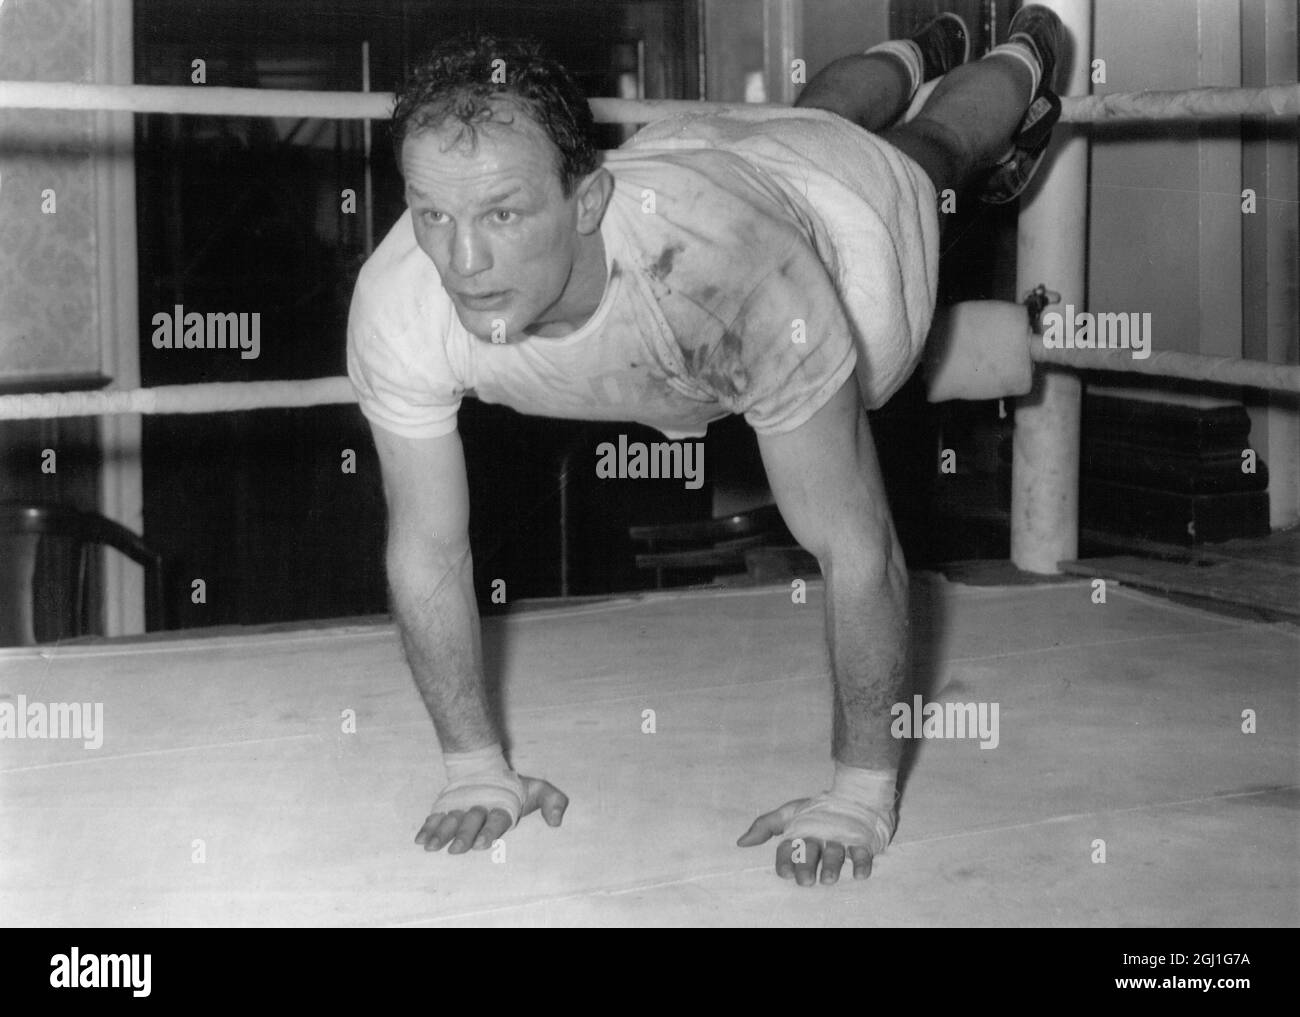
(476, 828)
(770, 824)
(784, 866)
(797, 858)
(832, 861)
(805, 853)
(498, 822)
(470, 824)
(762, 829)
(861, 862)
(554, 804)
(427, 830)
(541, 794)
(438, 829)
(444, 831)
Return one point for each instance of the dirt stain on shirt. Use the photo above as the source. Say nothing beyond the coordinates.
(721, 368)
(662, 267)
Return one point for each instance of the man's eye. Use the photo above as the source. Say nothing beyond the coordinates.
(503, 215)
(431, 217)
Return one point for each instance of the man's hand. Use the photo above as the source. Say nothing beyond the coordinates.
(478, 828)
(822, 831)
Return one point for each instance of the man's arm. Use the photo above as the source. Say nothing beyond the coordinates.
(827, 483)
(431, 578)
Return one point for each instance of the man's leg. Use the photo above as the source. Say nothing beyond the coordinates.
(871, 90)
(968, 122)
(874, 89)
(995, 114)
(976, 110)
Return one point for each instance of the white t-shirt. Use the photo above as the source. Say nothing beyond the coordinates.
(724, 294)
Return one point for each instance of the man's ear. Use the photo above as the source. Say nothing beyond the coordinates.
(592, 195)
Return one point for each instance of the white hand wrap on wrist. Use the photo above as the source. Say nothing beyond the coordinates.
(482, 778)
(857, 811)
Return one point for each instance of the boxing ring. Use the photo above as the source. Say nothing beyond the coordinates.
(276, 776)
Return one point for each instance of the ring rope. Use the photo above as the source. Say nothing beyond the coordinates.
(208, 397)
(1172, 364)
(224, 397)
(204, 100)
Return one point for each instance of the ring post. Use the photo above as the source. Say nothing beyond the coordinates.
(1052, 249)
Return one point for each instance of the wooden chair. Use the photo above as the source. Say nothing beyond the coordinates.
(22, 526)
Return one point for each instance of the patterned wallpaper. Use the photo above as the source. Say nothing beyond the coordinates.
(47, 261)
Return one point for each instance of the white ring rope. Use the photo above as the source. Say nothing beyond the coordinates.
(223, 397)
(1172, 364)
(209, 397)
(205, 100)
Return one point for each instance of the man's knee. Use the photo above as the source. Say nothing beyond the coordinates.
(825, 98)
(828, 91)
(940, 151)
(859, 87)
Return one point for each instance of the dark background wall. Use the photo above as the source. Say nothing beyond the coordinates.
(244, 215)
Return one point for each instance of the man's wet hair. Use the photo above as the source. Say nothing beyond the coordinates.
(455, 84)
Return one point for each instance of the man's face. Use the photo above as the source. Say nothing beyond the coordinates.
(494, 220)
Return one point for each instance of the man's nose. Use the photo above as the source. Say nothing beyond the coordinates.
(470, 253)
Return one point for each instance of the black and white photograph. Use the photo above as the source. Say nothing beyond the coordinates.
(775, 464)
